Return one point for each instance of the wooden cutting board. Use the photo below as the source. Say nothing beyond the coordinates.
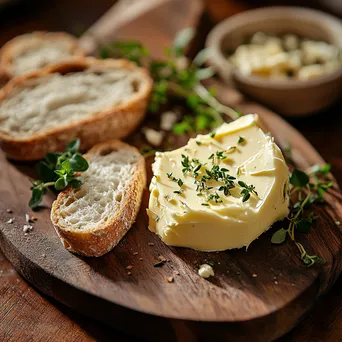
(260, 293)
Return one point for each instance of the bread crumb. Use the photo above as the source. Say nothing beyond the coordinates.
(34, 218)
(151, 244)
(337, 223)
(206, 271)
(129, 273)
(153, 137)
(135, 253)
(10, 221)
(254, 275)
(27, 218)
(175, 272)
(129, 267)
(167, 120)
(27, 228)
(141, 259)
(9, 211)
(170, 279)
(276, 283)
(44, 255)
(161, 258)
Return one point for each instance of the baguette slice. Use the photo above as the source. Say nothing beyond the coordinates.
(92, 220)
(92, 99)
(32, 51)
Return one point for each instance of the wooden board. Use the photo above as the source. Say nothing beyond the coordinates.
(233, 305)
(267, 305)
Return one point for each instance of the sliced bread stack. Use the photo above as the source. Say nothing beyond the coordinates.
(87, 98)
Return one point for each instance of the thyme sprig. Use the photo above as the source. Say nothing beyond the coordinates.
(206, 179)
(58, 170)
(307, 188)
(177, 76)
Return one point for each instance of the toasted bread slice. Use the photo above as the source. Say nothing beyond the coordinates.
(91, 99)
(92, 220)
(32, 51)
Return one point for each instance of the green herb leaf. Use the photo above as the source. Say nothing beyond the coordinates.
(299, 178)
(73, 146)
(46, 171)
(241, 140)
(36, 198)
(279, 236)
(78, 163)
(61, 183)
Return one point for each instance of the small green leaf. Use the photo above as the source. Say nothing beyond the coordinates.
(246, 197)
(303, 226)
(36, 197)
(66, 166)
(61, 183)
(242, 184)
(279, 236)
(51, 158)
(46, 172)
(241, 140)
(299, 178)
(78, 163)
(73, 146)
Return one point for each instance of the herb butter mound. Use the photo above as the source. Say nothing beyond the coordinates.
(220, 191)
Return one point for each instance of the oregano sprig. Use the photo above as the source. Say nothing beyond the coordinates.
(177, 76)
(307, 188)
(58, 170)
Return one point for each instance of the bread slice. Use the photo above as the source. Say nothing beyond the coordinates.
(32, 51)
(92, 99)
(92, 220)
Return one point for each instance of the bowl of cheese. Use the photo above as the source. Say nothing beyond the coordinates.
(288, 58)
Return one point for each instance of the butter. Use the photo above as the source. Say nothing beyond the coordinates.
(186, 211)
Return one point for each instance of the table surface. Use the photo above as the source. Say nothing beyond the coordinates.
(26, 314)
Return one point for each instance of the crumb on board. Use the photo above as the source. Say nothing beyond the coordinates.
(135, 253)
(129, 273)
(161, 258)
(10, 221)
(27, 228)
(337, 223)
(129, 267)
(141, 259)
(9, 211)
(206, 271)
(151, 244)
(254, 275)
(175, 272)
(170, 279)
(276, 282)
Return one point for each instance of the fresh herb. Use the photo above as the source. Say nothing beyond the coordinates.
(241, 140)
(147, 151)
(177, 76)
(212, 135)
(247, 191)
(178, 181)
(307, 188)
(58, 170)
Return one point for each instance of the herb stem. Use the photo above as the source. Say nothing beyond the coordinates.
(46, 185)
(202, 92)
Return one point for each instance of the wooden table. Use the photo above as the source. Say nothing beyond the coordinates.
(27, 315)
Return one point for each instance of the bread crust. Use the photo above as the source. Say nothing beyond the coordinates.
(115, 122)
(7, 52)
(104, 237)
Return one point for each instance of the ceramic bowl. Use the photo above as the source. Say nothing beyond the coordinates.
(289, 97)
